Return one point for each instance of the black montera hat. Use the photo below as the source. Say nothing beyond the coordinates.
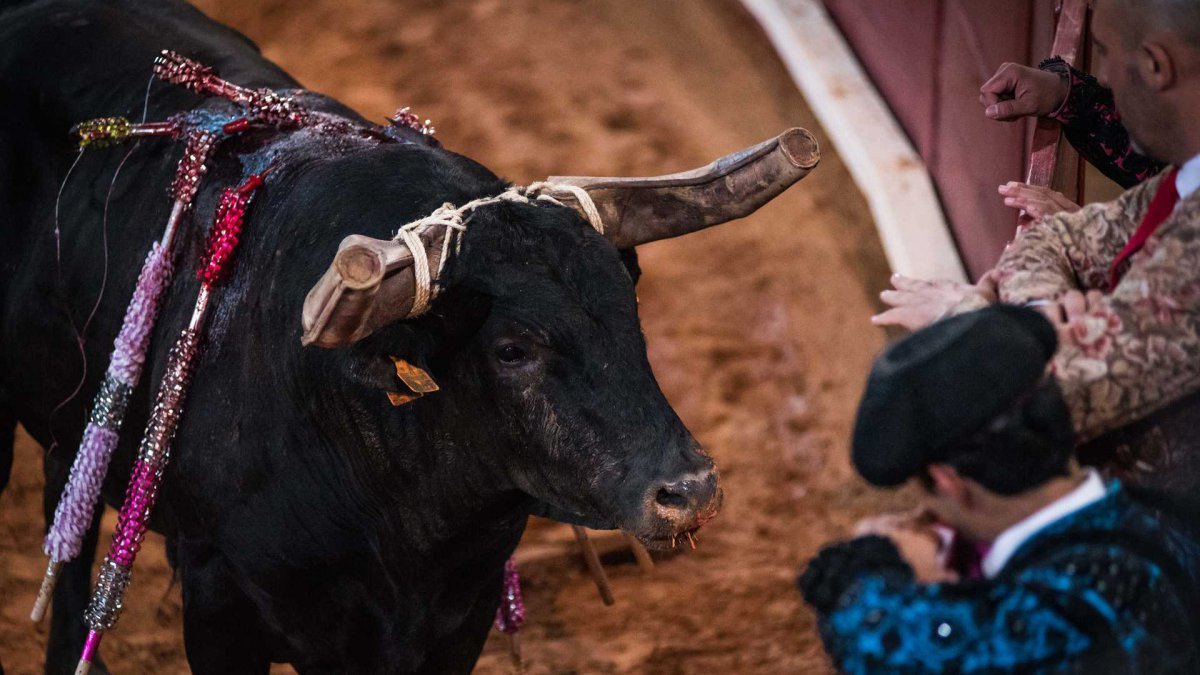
(944, 383)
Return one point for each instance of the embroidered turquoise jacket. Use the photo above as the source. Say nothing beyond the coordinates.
(1108, 589)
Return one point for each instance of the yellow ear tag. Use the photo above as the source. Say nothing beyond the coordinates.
(417, 380)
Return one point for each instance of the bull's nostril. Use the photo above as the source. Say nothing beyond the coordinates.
(671, 499)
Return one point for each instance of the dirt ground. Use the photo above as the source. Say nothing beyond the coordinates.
(757, 330)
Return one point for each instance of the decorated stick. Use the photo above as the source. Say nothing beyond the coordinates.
(74, 512)
(75, 508)
(105, 131)
(264, 105)
(115, 571)
(510, 615)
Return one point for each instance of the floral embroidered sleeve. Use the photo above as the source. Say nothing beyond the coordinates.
(1092, 125)
(1138, 347)
(1069, 251)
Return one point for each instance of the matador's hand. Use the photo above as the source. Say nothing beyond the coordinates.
(916, 303)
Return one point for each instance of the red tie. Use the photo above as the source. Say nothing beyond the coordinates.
(1160, 209)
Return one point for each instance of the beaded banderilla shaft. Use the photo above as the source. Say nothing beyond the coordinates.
(105, 131)
(262, 106)
(155, 449)
(73, 515)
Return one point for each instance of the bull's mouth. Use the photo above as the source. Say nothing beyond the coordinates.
(663, 528)
(669, 535)
(667, 542)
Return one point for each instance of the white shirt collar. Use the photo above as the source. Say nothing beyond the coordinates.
(1188, 180)
(1089, 491)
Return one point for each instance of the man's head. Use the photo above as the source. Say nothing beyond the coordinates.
(1148, 52)
(965, 409)
(985, 478)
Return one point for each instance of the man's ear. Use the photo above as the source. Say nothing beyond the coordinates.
(1156, 66)
(948, 482)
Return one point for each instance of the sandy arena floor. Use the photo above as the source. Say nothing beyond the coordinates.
(758, 330)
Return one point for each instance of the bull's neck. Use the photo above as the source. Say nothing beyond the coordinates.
(435, 478)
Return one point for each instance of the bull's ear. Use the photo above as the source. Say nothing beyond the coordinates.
(639, 210)
(409, 359)
(400, 380)
(372, 362)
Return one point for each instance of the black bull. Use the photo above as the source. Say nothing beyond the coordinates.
(308, 520)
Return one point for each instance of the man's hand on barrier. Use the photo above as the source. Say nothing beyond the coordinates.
(1017, 91)
(1036, 201)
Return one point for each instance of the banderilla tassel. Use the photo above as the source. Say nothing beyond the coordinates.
(405, 117)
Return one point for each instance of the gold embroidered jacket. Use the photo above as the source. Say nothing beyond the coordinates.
(1139, 349)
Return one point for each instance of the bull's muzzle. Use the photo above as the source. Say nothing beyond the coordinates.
(679, 506)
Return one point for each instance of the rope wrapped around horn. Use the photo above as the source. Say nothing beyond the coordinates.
(373, 282)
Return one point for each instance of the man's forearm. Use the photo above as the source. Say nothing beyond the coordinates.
(1070, 251)
(1093, 126)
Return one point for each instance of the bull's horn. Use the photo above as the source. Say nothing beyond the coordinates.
(366, 274)
(641, 210)
(371, 282)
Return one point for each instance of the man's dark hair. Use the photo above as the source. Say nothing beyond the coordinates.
(1022, 448)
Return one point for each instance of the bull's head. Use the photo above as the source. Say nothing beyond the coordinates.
(557, 347)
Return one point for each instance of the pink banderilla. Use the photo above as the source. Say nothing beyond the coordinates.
(263, 105)
(74, 512)
(155, 449)
(81, 494)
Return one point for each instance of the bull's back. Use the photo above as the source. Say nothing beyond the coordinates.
(69, 264)
(65, 61)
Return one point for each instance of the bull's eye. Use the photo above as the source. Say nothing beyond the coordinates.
(510, 355)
